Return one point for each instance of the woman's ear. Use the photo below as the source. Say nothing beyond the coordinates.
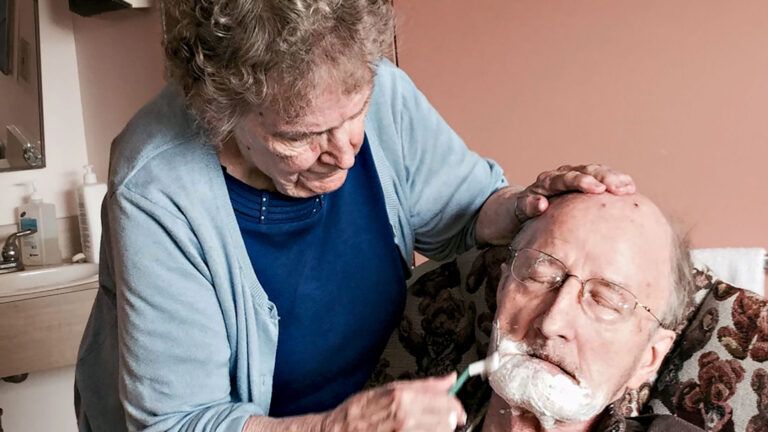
(652, 357)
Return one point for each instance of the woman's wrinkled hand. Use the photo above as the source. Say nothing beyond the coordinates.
(533, 200)
(506, 210)
(419, 405)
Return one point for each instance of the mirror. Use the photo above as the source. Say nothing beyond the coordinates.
(21, 116)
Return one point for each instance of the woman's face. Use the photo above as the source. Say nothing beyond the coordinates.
(311, 155)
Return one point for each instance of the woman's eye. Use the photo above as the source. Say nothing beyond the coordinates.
(297, 143)
(295, 140)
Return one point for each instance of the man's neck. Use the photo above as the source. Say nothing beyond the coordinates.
(500, 418)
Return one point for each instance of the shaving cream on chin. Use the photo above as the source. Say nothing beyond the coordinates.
(524, 383)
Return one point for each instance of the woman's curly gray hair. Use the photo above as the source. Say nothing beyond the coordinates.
(231, 56)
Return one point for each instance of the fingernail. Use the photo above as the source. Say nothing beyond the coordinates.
(541, 204)
(464, 419)
(453, 420)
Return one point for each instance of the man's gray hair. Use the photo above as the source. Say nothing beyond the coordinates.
(683, 286)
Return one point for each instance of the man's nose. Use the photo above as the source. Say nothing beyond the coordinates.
(558, 321)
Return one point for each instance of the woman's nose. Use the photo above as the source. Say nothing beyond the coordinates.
(342, 146)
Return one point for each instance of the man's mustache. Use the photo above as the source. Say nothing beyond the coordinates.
(564, 366)
(540, 351)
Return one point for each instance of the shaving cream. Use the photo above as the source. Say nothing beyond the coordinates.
(527, 384)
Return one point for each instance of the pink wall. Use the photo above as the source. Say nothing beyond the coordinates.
(120, 63)
(674, 93)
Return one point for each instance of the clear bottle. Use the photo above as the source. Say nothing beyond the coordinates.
(89, 198)
(41, 248)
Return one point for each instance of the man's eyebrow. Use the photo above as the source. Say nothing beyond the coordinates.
(302, 134)
(617, 282)
(630, 288)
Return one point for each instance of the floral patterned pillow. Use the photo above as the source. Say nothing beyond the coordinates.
(714, 377)
(446, 323)
(717, 373)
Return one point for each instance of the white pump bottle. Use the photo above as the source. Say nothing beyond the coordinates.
(89, 198)
(42, 247)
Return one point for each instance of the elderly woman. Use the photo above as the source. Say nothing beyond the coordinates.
(261, 221)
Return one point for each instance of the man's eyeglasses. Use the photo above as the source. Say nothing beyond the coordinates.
(603, 301)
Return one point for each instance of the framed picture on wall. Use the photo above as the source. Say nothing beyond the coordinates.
(6, 36)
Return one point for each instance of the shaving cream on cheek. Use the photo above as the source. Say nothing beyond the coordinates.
(524, 383)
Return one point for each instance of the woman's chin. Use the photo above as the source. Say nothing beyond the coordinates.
(308, 188)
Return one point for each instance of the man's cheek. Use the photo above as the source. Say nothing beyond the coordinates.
(516, 317)
(603, 362)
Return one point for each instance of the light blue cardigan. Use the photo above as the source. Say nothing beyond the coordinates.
(182, 337)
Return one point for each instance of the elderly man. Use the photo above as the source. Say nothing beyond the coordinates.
(586, 305)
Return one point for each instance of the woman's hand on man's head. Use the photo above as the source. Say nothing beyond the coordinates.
(505, 211)
(533, 200)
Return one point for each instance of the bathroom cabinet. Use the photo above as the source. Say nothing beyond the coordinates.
(42, 331)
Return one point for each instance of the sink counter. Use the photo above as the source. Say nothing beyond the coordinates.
(33, 280)
(41, 329)
(47, 292)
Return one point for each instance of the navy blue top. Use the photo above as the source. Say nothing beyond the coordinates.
(330, 265)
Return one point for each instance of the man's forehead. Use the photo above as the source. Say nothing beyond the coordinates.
(586, 260)
(625, 239)
(626, 218)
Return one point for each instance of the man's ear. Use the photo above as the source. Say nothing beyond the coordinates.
(652, 357)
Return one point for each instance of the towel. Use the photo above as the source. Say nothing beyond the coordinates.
(740, 267)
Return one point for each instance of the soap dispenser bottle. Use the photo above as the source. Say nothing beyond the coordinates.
(41, 248)
(89, 198)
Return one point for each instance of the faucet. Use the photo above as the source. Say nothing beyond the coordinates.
(11, 252)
